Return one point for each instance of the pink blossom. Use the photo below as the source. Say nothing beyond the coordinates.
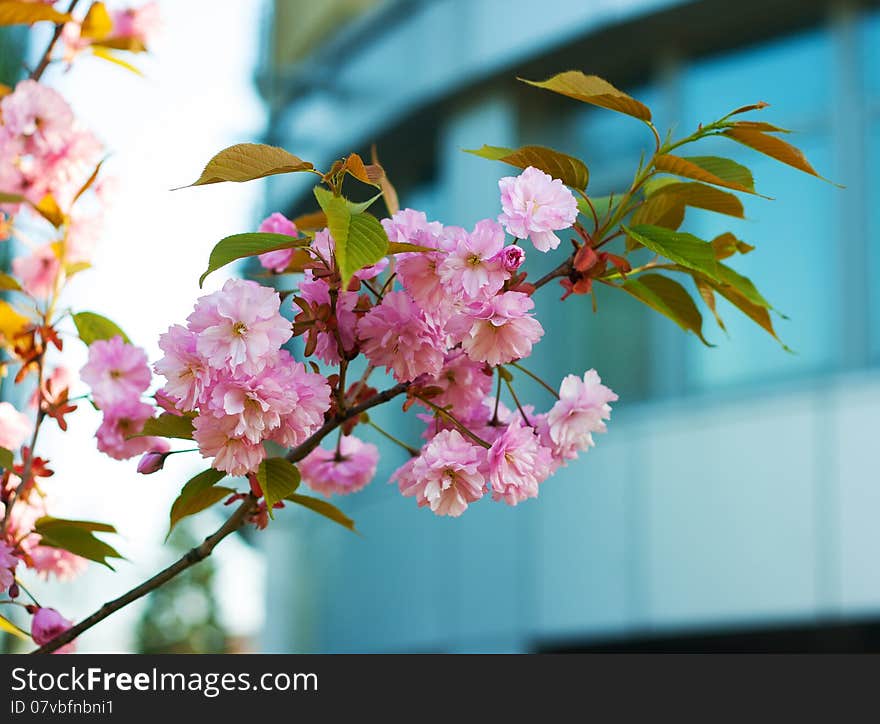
(463, 384)
(232, 453)
(580, 411)
(239, 326)
(534, 205)
(517, 463)
(62, 564)
(121, 420)
(140, 23)
(397, 335)
(472, 266)
(8, 562)
(317, 291)
(46, 624)
(82, 236)
(503, 330)
(38, 271)
(325, 246)
(37, 113)
(15, 427)
(187, 373)
(309, 394)
(354, 467)
(408, 226)
(116, 371)
(276, 223)
(511, 257)
(446, 476)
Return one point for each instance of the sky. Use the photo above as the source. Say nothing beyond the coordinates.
(196, 97)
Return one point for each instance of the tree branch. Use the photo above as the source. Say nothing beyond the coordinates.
(47, 55)
(193, 556)
(235, 521)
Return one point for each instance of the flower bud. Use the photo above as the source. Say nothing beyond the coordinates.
(14, 591)
(511, 258)
(151, 462)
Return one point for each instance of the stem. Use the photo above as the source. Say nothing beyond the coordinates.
(518, 405)
(47, 54)
(563, 270)
(497, 399)
(193, 556)
(461, 427)
(586, 198)
(411, 450)
(535, 378)
(29, 594)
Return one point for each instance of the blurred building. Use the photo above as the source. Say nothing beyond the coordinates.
(735, 500)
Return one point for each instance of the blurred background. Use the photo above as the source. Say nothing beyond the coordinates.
(733, 505)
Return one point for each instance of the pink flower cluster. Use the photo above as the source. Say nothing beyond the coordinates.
(118, 374)
(227, 366)
(453, 470)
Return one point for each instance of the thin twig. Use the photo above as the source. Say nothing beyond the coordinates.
(47, 55)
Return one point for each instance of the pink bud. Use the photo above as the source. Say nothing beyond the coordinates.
(151, 462)
(46, 624)
(511, 258)
(167, 402)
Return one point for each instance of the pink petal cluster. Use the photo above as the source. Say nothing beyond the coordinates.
(534, 206)
(398, 335)
(276, 223)
(38, 271)
(227, 366)
(46, 624)
(15, 427)
(341, 471)
(8, 562)
(447, 476)
(517, 463)
(580, 411)
(502, 330)
(317, 291)
(139, 23)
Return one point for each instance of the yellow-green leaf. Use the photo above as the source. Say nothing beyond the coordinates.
(322, 507)
(239, 246)
(568, 169)
(199, 493)
(709, 169)
(669, 298)
(11, 322)
(97, 23)
(772, 146)
(80, 542)
(593, 89)
(10, 628)
(701, 196)
(168, 425)
(99, 51)
(28, 13)
(404, 247)
(249, 161)
(7, 459)
(8, 283)
(726, 245)
(93, 327)
(48, 208)
(278, 479)
(47, 524)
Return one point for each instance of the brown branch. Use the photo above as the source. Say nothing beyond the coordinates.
(235, 521)
(195, 555)
(47, 55)
(563, 270)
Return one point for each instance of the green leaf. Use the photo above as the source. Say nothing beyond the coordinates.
(363, 206)
(337, 213)
(239, 246)
(322, 507)
(568, 169)
(7, 459)
(669, 298)
(199, 493)
(709, 169)
(701, 196)
(367, 243)
(28, 13)
(660, 210)
(47, 524)
(404, 247)
(593, 89)
(758, 313)
(7, 626)
(79, 541)
(168, 425)
(6, 198)
(278, 478)
(682, 248)
(249, 161)
(743, 285)
(602, 205)
(93, 327)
